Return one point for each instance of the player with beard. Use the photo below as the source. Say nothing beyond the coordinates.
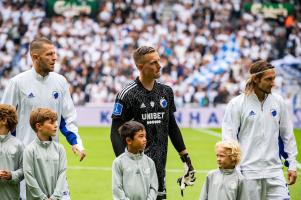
(41, 87)
(152, 104)
(259, 120)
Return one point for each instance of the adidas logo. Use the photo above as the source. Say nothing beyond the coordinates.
(30, 95)
(142, 105)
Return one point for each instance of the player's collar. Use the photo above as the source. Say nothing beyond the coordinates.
(39, 77)
(140, 84)
(3, 139)
(226, 171)
(137, 156)
(43, 143)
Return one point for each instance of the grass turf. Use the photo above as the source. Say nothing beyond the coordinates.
(91, 178)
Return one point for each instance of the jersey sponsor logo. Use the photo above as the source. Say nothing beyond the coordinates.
(142, 105)
(163, 102)
(153, 118)
(30, 95)
(117, 109)
(55, 94)
(152, 104)
(273, 112)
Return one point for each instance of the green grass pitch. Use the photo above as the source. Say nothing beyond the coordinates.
(91, 179)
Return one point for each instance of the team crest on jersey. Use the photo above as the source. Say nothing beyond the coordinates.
(273, 112)
(117, 109)
(55, 94)
(152, 104)
(163, 102)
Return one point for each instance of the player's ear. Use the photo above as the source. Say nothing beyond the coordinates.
(128, 140)
(255, 79)
(38, 126)
(3, 121)
(140, 66)
(34, 56)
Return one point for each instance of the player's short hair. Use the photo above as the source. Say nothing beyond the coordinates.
(40, 115)
(140, 52)
(256, 70)
(232, 148)
(129, 130)
(9, 113)
(37, 44)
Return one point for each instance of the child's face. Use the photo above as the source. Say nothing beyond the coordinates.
(138, 143)
(223, 159)
(48, 128)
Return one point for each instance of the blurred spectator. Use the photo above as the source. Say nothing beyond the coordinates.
(205, 47)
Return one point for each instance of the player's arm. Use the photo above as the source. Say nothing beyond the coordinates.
(288, 138)
(68, 125)
(17, 175)
(117, 186)
(231, 121)
(205, 188)
(10, 95)
(177, 140)
(121, 113)
(61, 180)
(117, 144)
(153, 191)
(31, 182)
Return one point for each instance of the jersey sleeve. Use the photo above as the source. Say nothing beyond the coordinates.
(153, 190)
(172, 105)
(61, 180)
(117, 187)
(68, 125)
(287, 137)
(231, 121)
(10, 95)
(121, 113)
(18, 175)
(205, 188)
(31, 182)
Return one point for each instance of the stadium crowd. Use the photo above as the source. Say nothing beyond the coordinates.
(205, 46)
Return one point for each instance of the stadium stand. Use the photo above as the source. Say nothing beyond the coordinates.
(205, 46)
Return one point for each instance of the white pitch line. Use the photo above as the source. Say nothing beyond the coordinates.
(110, 169)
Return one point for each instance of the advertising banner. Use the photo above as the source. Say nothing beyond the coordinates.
(72, 7)
(186, 117)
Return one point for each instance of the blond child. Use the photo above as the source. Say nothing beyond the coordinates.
(11, 155)
(133, 173)
(226, 182)
(44, 159)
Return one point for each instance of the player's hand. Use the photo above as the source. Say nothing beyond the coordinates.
(292, 177)
(188, 178)
(81, 153)
(5, 175)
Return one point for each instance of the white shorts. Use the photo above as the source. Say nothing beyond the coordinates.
(268, 188)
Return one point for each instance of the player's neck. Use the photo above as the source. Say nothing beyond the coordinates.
(3, 130)
(43, 137)
(260, 94)
(147, 83)
(41, 72)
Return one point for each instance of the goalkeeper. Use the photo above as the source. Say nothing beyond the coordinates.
(151, 103)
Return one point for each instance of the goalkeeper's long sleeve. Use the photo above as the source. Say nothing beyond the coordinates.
(175, 134)
(117, 144)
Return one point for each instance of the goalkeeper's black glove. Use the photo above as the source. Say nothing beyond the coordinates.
(188, 178)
